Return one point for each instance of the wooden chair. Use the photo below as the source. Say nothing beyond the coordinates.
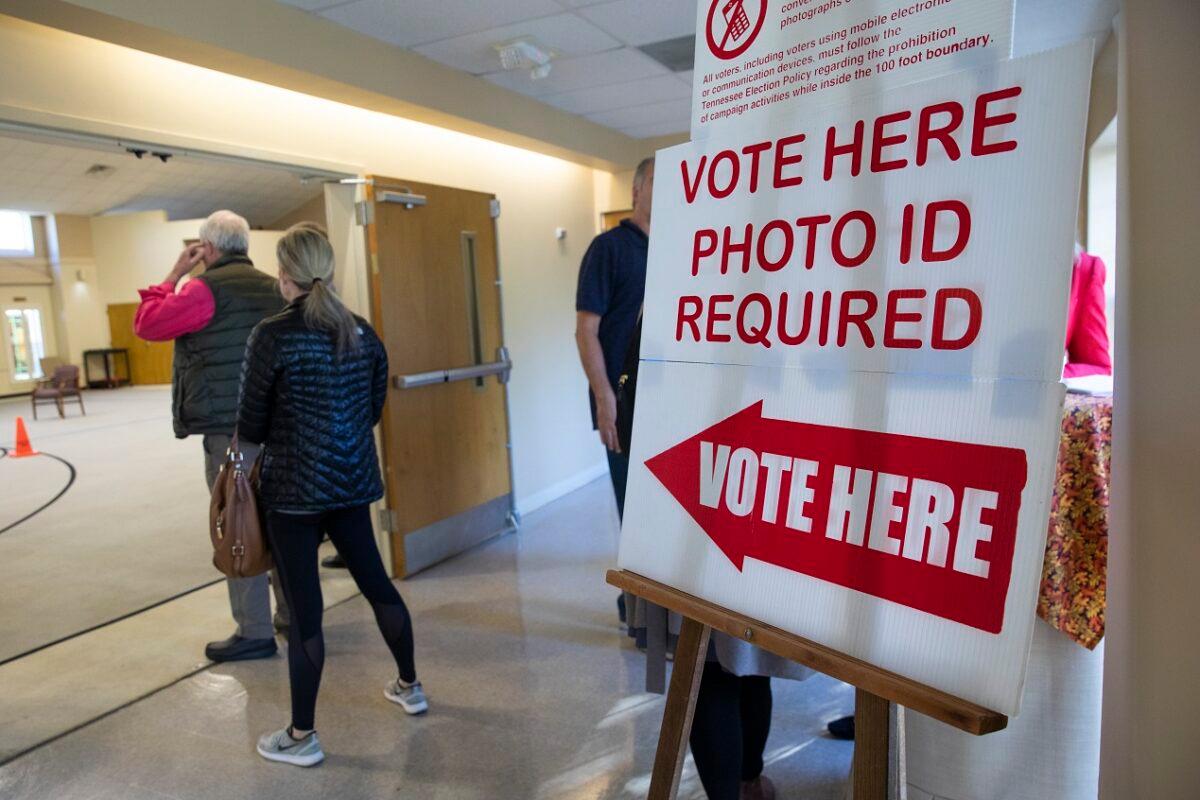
(57, 389)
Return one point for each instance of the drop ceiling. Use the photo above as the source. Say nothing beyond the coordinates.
(52, 177)
(600, 70)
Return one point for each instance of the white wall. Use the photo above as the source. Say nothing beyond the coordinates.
(1151, 647)
(66, 80)
(1102, 220)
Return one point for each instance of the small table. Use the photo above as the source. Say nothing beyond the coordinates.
(108, 358)
(1075, 572)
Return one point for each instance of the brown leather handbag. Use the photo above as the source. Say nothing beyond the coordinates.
(239, 543)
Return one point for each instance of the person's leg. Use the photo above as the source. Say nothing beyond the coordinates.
(250, 602)
(351, 533)
(294, 541)
(756, 702)
(618, 471)
(716, 733)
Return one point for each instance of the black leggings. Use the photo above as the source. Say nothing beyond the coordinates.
(294, 542)
(729, 730)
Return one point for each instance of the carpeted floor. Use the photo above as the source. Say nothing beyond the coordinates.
(132, 530)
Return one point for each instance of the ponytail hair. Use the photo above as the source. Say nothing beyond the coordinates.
(306, 257)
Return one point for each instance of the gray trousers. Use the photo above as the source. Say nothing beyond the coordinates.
(249, 598)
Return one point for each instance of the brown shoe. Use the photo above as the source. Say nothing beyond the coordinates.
(760, 788)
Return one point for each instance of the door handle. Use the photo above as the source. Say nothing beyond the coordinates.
(501, 368)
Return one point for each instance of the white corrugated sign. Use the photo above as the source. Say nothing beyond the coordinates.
(757, 58)
(848, 406)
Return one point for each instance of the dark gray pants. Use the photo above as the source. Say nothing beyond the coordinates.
(249, 598)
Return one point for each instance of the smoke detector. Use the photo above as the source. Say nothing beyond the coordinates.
(526, 54)
(99, 171)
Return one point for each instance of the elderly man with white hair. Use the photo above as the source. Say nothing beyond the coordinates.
(210, 318)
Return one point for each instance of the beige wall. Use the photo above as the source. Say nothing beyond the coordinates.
(80, 318)
(133, 251)
(105, 260)
(31, 270)
(57, 78)
(613, 192)
(312, 211)
(1152, 650)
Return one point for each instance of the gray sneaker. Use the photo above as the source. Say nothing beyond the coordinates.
(280, 746)
(410, 698)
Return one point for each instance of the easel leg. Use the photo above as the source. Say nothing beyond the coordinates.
(870, 746)
(690, 653)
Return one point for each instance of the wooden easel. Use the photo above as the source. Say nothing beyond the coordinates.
(874, 688)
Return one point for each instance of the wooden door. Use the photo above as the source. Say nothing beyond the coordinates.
(611, 219)
(436, 299)
(149, 362)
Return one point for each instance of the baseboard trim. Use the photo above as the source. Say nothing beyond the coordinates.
(564, 487)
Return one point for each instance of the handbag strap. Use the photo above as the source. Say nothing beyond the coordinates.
(234, 454)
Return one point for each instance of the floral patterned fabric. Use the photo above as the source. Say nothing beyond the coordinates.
(1075, 569)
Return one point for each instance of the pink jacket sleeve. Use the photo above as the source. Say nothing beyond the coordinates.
(165, 314)
(1087, 324)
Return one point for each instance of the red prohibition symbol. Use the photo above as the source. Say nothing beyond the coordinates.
(731, 32)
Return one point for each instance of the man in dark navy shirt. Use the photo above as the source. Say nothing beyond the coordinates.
(612, 283)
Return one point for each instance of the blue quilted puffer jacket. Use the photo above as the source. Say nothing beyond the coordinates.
(313, 412)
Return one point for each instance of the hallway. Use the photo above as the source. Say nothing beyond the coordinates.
(534, 694)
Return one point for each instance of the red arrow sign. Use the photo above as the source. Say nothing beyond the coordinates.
(927, 523)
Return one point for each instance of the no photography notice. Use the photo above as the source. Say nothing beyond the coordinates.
(849, 395)
(769, 54)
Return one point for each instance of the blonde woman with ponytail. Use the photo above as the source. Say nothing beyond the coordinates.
(313, 386)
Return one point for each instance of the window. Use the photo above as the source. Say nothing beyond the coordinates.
(25, 333)
(16, 234)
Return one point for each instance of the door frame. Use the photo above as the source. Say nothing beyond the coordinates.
(14, 387)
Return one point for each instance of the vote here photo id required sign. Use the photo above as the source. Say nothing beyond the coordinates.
(849, 395)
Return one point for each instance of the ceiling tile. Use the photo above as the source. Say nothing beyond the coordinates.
(637, 22)
(612, 66)
(51, 179)
(619, 95)
(675, 112)
(655, 129)
(475, 53)
(412, 22)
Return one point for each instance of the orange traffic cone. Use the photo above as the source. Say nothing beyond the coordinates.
(23, 449)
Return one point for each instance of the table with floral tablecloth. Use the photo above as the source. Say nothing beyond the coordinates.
(1075, 568)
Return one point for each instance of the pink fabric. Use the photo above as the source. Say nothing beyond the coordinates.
(1087, 328)
(166, 314)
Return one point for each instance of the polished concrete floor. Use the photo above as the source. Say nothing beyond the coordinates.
(132, 530)
(534, 694)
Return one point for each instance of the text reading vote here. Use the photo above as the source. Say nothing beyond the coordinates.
(927, 523)
(895, 514)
